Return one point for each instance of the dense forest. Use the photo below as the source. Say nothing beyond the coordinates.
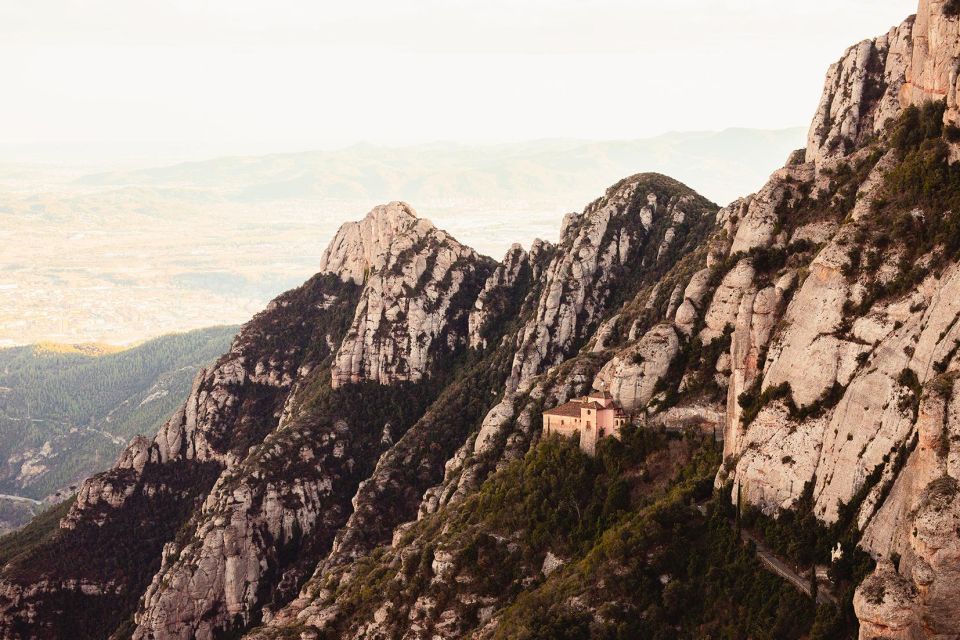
(66, 412)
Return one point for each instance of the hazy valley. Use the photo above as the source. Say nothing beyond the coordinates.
(125, 256)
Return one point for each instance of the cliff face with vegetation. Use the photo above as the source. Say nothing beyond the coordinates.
(366, 461)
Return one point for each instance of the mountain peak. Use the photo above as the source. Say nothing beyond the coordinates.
(363, 246)
(913, 63)
(413, 276)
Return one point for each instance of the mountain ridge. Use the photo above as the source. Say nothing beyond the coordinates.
(815, 324)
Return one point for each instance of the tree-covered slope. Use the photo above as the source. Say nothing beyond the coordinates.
(66, 413)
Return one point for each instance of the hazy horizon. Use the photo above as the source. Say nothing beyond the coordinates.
(82, 158)
(108, 81)
(125, 254)
(175, 165)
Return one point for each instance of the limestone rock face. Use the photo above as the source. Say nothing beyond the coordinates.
(570, 291)
(218, 576)
(280, 483)
(919, 521)
(361, 247)
(862, 91)
(807, 354)
(193, 434)
(637, 219)
(154, 484)
(932, 70)
(214, 579)
(494, 302)
(505, 436)
(885, 604)
(632, 374)
(417, 281)
(691, 307)
(758, 225)
(920, 600)
(726, 300)
(911, 64)
(757, 316)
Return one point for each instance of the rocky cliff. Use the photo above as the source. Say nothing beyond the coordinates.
(366, 461)
(413, 276)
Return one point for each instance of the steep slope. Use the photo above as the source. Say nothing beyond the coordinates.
(334, 411)
(360, 463)
(67, 413)
(288, 492)
(416, 280)
(618, 247)
(816, 329)
(123, 517)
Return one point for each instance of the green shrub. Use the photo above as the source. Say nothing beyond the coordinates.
(917, 124)
(925, 180)
(752, 401)
(714, 588)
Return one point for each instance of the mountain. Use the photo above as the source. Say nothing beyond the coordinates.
(67, 411)
(367, 460)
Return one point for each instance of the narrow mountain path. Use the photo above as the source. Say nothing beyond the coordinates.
(7, 496)
(775, 565)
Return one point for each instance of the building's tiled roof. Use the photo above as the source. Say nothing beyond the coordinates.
(568, 409)
(601, 394)
(572, 409)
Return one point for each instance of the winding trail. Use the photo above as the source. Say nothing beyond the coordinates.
(782, 569)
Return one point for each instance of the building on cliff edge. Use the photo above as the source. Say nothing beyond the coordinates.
(589, 418)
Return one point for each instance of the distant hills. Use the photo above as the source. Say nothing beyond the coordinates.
(723, 165)
(66, 411)
(127, 255)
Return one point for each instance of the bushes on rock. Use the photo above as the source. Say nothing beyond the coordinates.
(920, 199)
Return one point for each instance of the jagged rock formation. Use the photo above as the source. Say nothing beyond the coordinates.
(911, 64)
(413, 275)
(513, 274)
(630, 222)
(632, 375)
(816, 324)
(137, 507)
(299, 464)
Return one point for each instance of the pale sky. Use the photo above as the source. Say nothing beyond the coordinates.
(194, 78)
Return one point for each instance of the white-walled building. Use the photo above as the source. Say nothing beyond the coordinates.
(589, 418)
